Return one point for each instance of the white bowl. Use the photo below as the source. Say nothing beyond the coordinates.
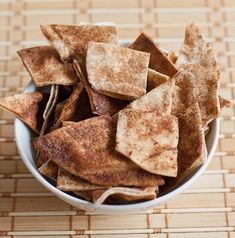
(24, 136)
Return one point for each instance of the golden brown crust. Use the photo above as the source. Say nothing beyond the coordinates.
(45, 67)
(71, 40)
(26, 106)
(116, 71)
(158, 61)
(87, 150)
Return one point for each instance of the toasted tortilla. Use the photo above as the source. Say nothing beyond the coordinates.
(155, 79)
(86, 149)
(71, 40)
(50, 107)
(149, 140)
(172, 57)
(45, 67)
(191, 146)
(122, 194)
(158, 61)
(49, 169)
(26, 106)
(100, 104)
(196, 50)
(85, 195)
(69, 182)
(116, 71)
(158, 99)
(202, 84)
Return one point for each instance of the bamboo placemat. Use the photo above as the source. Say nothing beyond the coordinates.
(205, 210)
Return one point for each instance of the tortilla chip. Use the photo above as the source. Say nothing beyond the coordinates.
(191, 153)
(116, 71)
(122, 194)
(158, 61)
(202, 84)
(49, 169)
(172, 57)
(86, 149)
(71, 41)
(45, 67)
(69, 182)
(155, 79)
(76, 108)
(149, 140)
(196, 50)
(58, 110)
(100, 104)
(158, 99)
(50, 107)
(27, 107)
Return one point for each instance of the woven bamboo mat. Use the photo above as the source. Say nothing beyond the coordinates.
(205, 210)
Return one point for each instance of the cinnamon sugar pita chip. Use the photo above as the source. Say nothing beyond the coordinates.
(26, 106)
(116, 71)
(45, 67)
(158, 61)
(149, 140)
(49, 169)
(71, 41)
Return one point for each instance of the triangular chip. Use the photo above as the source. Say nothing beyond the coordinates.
(202, 83)
(71, 40)
(49, 169)
(122, 194)
(76, 108)
(191, 151)
(26, 106)
(196, 49)
(100, 104)
(155, 79)
(50, 107)
(158, 61)
(149, 140)
(69, 182)
(86, 149)
(40, 159)
(116, 71)
(158, 99)
(45, 67)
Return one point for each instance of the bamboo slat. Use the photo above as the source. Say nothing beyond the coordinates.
(205, 210)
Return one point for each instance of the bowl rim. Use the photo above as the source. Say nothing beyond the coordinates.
(104, 207)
